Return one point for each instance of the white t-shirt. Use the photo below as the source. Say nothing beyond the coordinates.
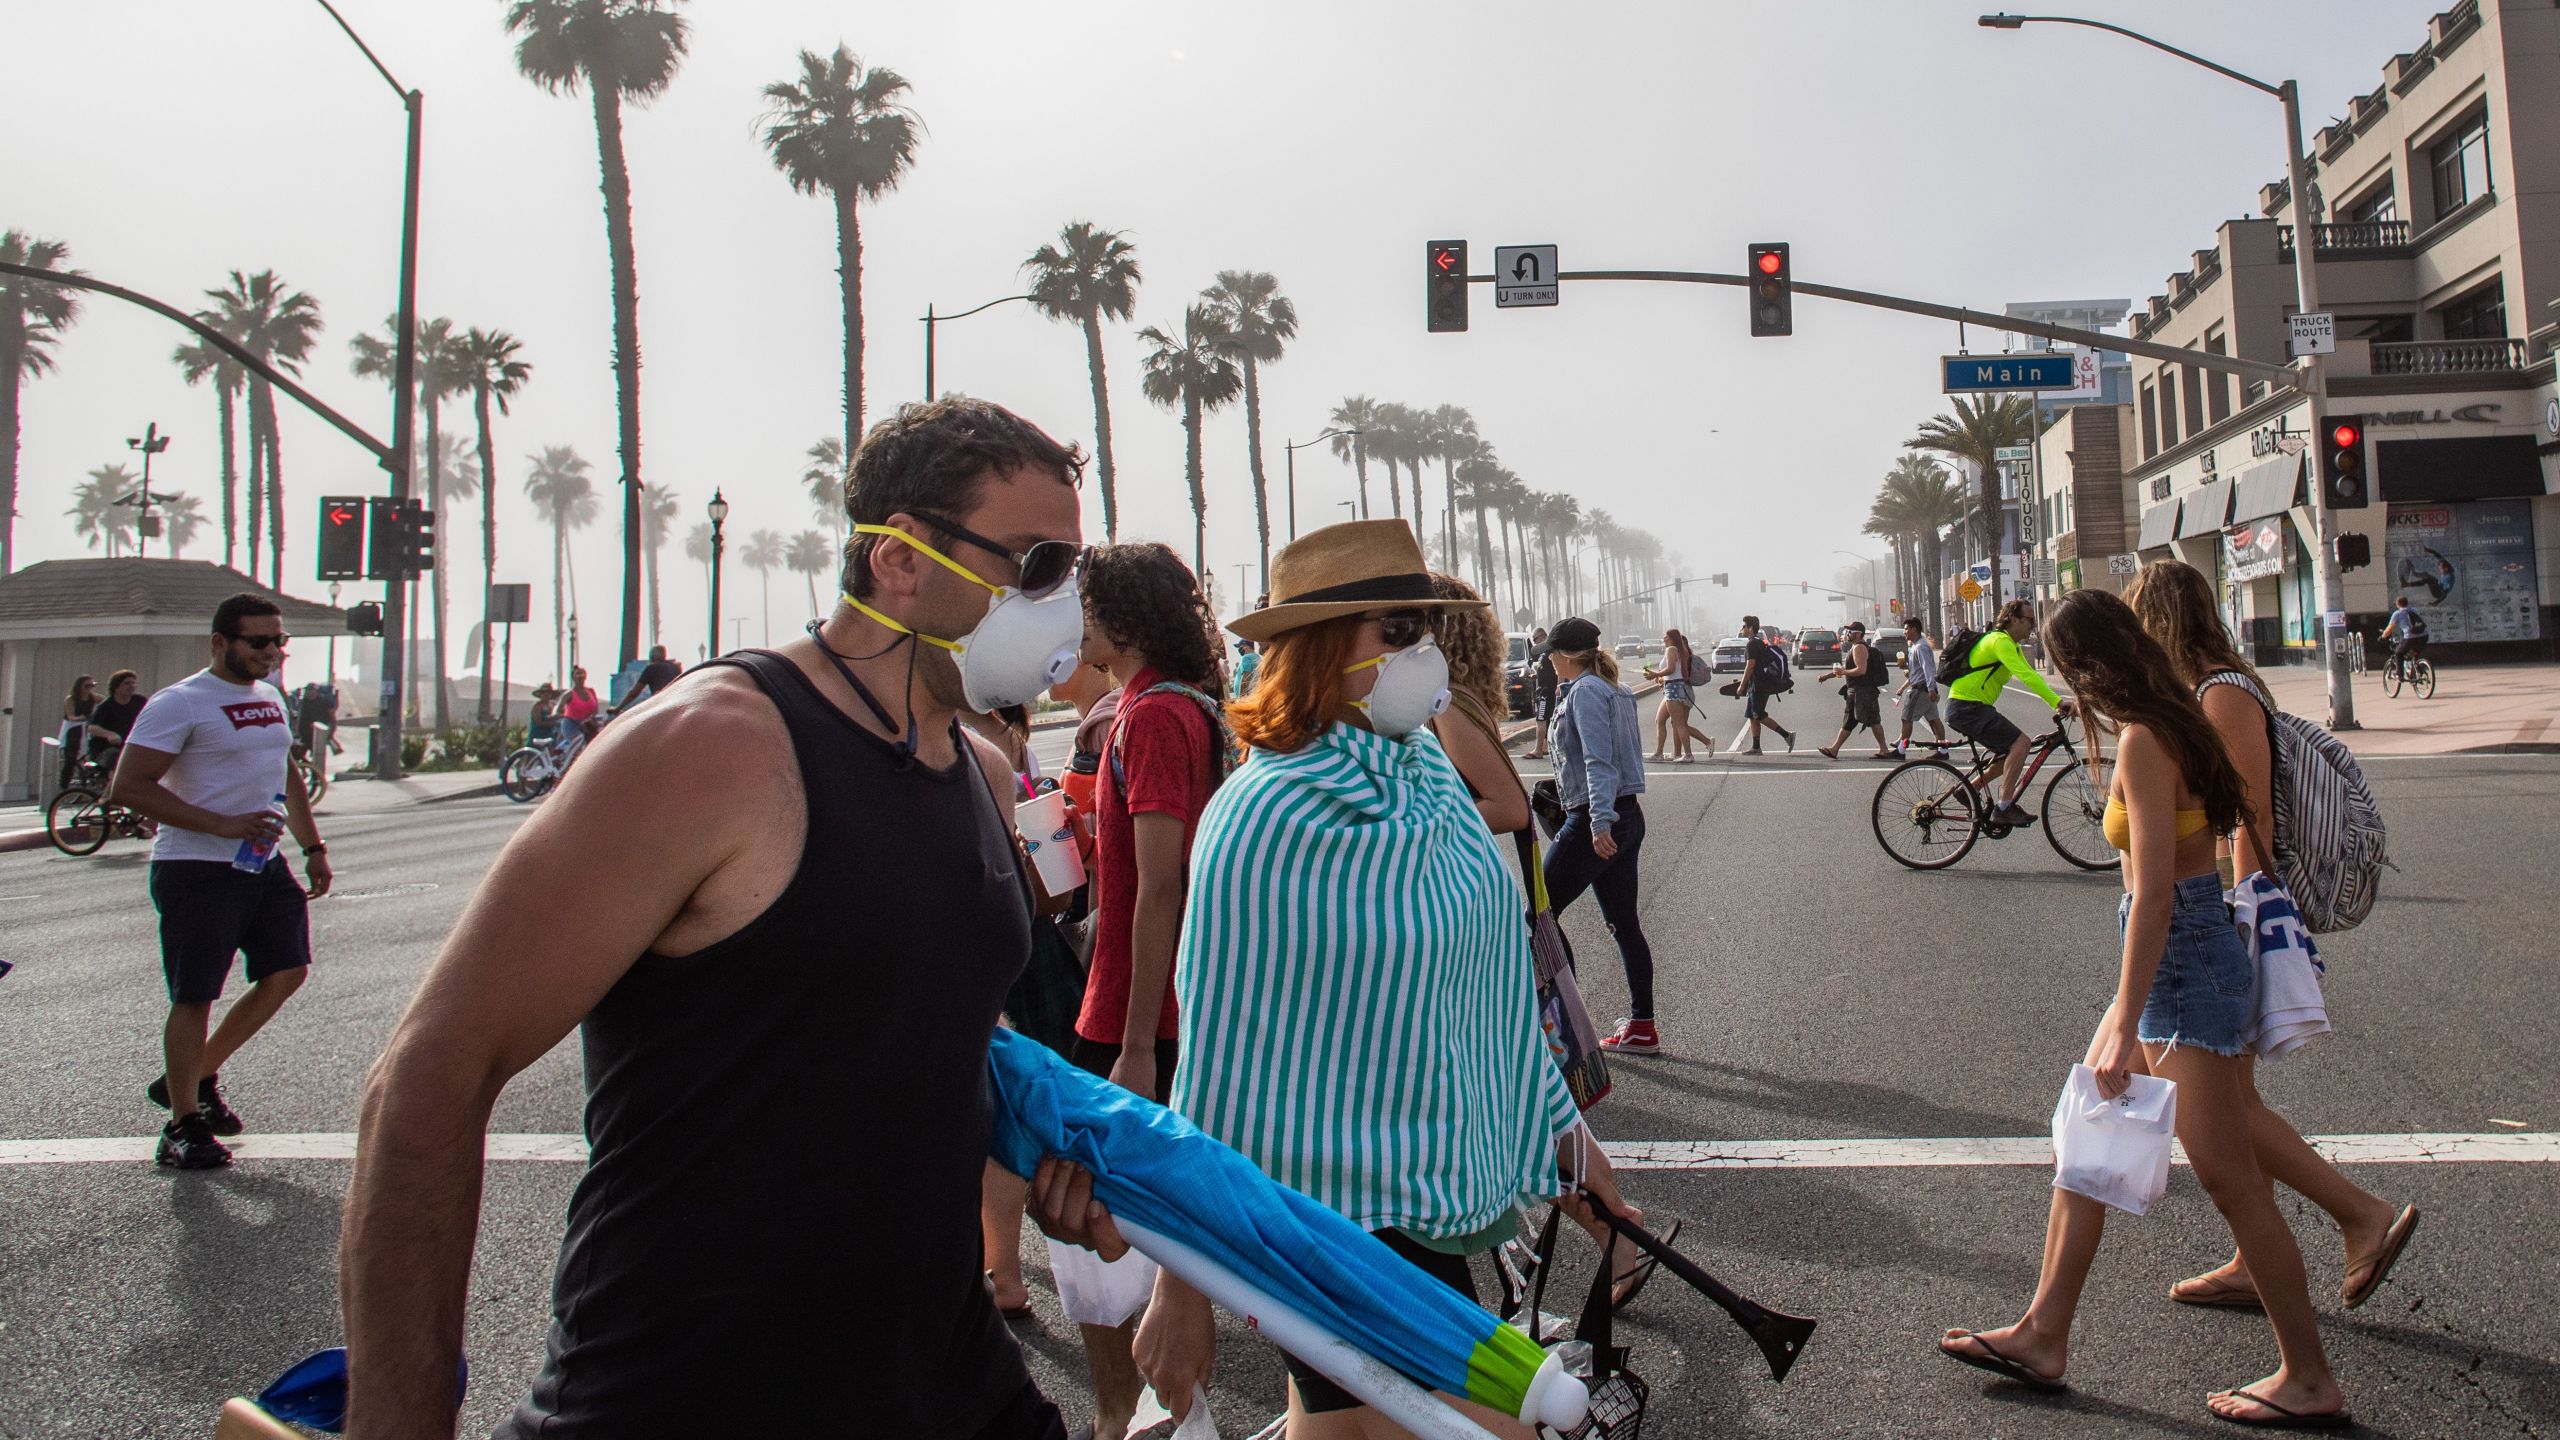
(232, 743)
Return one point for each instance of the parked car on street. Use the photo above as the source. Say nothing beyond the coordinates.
(1890, 645)
(1519, 677)
(1817, 650)
(1731, 654)
(1630, 647)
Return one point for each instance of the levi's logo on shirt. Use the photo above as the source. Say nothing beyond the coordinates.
(252, 714)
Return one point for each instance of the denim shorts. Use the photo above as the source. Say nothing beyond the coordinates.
(2205, 993)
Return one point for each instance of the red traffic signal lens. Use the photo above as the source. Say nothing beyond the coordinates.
(1769, 262)
(2345, 436)
(1443, 259)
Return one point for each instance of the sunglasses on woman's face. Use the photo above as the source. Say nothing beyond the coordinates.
(1043, 568)
(263, 642)
(1403, 628)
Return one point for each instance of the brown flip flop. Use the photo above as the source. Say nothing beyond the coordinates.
(2378, 1269)
(1988, 1358)
(2208, 1292)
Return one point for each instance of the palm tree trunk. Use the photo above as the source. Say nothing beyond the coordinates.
(626, 345)
(764, 574)
(13, 361)
(1449, 513)
(849, 287)
(1416, 462)
(812, 577)
(227, 397)
(436, 573)
(1101, 425)
(559, 603)
(275, 493)
(1253, 459)
(1199, 496)
(1484, 550)
(657, 629)
(257, 487)
(1360, 467)
(488, 546)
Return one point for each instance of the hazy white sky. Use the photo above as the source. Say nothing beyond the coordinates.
(1894, 144)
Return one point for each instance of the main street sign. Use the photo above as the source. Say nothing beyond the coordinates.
(1523, 275)
(2036, 370)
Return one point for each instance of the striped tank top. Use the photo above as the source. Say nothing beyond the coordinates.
(1359, 1013)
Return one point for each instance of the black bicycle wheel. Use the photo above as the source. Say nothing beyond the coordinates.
(2424, 681)
(524, 775)
(2075, 817)
(2391, 678)
(1924, 814)
(315, 777)
(76, 822)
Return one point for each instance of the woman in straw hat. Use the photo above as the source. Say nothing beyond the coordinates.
(1357, 1000)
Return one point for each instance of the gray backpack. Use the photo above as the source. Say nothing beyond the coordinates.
(2329, 835)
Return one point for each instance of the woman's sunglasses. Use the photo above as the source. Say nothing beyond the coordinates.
(262, 642)
(1043, 568)
(1402, 628)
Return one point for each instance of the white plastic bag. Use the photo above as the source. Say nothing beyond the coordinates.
(1197, 1422)
(2114, 1151)
(1095, 1291)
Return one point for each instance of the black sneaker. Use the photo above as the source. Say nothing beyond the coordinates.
(219, 1117)
(2014, 815)
(186, 1144)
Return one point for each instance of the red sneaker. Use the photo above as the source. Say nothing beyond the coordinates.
(1633, 1037)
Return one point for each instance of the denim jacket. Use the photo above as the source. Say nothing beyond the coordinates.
(1599, 747)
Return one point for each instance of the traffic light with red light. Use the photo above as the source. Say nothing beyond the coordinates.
(2344, 480)
(1773, 300)
(342, 538)
(1444, 285)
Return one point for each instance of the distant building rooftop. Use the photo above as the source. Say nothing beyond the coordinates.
(144, 595)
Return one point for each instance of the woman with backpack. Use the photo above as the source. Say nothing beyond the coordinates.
(2175, 603)
(2181, 1009)
(1681, 674)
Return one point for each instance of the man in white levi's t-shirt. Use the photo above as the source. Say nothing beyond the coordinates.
(206, 759)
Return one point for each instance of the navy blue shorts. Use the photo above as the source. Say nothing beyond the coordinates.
(210, 912)
(1984, 725)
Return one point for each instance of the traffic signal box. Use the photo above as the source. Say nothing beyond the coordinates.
(401, 544)
(1773, 298)
(2354, 552)
(342, 538)
(2345, 480)
(1444, 285)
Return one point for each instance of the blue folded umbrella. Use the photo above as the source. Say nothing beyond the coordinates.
(1159, 1174)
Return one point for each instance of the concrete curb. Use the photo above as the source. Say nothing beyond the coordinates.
(12, 841)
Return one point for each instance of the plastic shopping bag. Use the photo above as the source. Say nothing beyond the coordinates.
(1095, 1291)
(2114, 1151)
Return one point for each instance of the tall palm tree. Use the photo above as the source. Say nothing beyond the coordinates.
(491, 364)
(1449, 436)
(825, 479)
(697, 548)
(1357, 418)
(1193, 375)
(1259, 322)
(810, 554)
(658, 509)
(845, 130)
(1090, 275)
(1484, 478)
(618, 50)
(1399, 439)
(97, 515)
(33, 316)
(442, 371)
(765, 553)
(1977, 431)
(181, 520)
(279, 325)
(1920, 496)
(199, 361)
(561, 487)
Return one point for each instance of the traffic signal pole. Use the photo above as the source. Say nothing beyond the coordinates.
(404, 404)
(2315, 385)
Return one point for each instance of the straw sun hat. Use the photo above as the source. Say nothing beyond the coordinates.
(1346, 569)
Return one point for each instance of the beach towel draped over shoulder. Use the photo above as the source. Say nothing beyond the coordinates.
(1358, 1001)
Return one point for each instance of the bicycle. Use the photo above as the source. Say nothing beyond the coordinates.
(2418, 675)
(1928, 813)
(312, 760)
(535, 770)
(81, 820)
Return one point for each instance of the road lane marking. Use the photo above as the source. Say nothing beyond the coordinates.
(2538, 1147)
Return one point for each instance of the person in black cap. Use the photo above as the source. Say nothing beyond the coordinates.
(1599, 749)
(1862, 674)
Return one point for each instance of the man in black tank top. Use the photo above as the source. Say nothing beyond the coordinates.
(783, 904)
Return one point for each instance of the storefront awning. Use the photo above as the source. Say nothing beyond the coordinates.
(2268, 489)
(2472, 467)
(2159, 525)
(2206, 509)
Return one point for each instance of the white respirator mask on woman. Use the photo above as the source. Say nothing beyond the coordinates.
(1412, 687)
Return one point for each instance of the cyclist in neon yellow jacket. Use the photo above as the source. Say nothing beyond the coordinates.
(1974, 683)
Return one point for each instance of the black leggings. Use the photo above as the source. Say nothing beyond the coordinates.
(1573, 867)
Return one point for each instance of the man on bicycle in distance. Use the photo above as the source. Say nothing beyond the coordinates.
(1973, 684)
(2407, 633)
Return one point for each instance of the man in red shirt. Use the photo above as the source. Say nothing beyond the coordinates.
(1147, 623)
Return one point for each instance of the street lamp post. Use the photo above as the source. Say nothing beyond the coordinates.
(145, 524)
(719, 511)
(1875, 586)
(1293, 447)
(931, 319)
(2306, 276)
(404, 387)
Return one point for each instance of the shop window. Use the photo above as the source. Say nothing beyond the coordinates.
(2480, 315)
(2168, 407)
(2459, 164)
(2195, 400)
(2150, 422)
(2221, 393)
(2377, 206)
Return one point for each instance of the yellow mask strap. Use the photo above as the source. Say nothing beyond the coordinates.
(954, 566)
(1365, 664)
(894, 625)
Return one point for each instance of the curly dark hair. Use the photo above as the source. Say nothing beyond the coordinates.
(934, 457)
(1146, 600)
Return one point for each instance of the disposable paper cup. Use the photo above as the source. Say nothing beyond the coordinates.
(1051, 839)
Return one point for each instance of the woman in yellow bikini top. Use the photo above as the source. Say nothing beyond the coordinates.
(2117, 823)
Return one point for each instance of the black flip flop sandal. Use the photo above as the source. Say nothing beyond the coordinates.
(2378, 1269)
(2001, 1365)
(1637, 1278)
(2282, 1419)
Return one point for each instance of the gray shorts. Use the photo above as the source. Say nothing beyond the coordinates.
(1858, 707)
(1919, 703)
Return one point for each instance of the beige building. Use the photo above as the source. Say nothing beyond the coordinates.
(2440, 259)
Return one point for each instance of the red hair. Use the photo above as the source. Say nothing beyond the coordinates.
(1299, 687)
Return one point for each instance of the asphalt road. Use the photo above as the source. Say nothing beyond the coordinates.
(1809, 990)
